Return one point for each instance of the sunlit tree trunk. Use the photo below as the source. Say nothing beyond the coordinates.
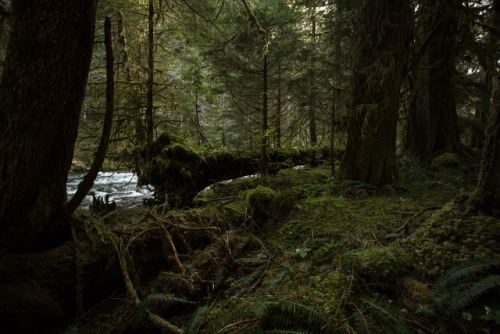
(370, 152)
(41, 95)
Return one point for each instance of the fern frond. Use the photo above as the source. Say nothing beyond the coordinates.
(149, 300)
(465, 283)
(386, 317)
(218, 277)
(467, 270)
(170, 278)
(286, 315)
(197, 319)
(363, 323)
(244, 282)
(283, 331)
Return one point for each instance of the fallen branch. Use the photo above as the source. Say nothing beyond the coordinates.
(405, 225)
(176, 255)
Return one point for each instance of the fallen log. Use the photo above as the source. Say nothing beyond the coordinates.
(179, 172)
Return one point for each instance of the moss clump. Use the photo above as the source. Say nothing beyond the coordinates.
(381, 266)
(445, 161)
(260, 201)
(412, 294)
(452, 235)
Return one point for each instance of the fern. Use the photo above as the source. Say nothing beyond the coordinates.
(149, 300)
(363, 323)
(289, 317)
(466, 270)
(197, 319)
(218, 277)
(243, 282)
(286, 270)
(169, 278)
(465, 283)
(387, 317)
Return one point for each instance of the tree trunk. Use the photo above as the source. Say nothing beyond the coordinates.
(487, 193)
(264, 159)
(370, 153)
(432, 122)
(41, 95)
(313, 137)
(278, 110)
(149, 94)
(88, 181)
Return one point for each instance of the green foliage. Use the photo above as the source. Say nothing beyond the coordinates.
(381, 266)
(285, 316)
(197, 319)
(450, 236)
(388, 320)
(464, 284)
(154, 299)
(260, 201)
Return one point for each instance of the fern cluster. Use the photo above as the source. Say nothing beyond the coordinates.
(289, 317)
(465, 283)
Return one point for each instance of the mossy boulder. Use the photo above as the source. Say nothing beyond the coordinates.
(412, 294)
(382, 266)
(260, 201)
(452, 235)
(445, 161)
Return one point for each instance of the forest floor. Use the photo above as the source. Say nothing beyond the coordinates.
(300, 252)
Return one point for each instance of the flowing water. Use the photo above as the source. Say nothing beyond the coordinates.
(121, 186)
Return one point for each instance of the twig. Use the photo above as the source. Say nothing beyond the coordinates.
(416, 215)
(176, 255)
(223, 329)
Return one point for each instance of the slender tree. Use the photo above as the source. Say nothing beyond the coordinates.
(41, 94)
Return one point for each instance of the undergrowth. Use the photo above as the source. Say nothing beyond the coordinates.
(301, 252)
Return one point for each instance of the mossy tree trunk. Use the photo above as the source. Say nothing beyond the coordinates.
(370, 152)
(41, 95)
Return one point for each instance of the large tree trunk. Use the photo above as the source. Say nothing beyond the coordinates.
(370, 153)
(41, 94)
(432, 122)
(487, 193)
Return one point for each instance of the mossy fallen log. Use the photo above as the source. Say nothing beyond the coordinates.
(179, 172)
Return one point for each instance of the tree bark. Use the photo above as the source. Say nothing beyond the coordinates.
(487, 193)
(370, 152)
(150, 86)
(88, 181)
(432, 122)
(41, 95)
(264, 159)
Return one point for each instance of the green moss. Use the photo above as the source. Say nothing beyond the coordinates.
(381, 266)
(445, 161)
(452, 235)
(260, 201)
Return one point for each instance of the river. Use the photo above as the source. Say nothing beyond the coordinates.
(120, 185)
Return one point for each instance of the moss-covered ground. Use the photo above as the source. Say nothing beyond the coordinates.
(300, 252)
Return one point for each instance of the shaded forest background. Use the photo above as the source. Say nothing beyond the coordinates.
(187, 93)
